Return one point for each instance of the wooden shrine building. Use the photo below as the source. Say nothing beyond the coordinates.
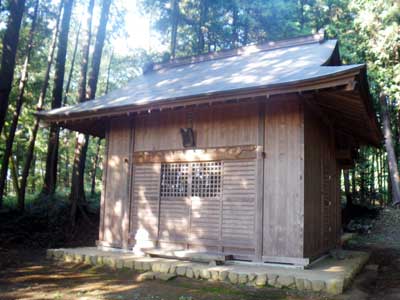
(236, 152)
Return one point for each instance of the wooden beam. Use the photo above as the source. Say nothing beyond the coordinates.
(207, 154)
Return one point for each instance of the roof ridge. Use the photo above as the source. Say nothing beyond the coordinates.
(271, 45)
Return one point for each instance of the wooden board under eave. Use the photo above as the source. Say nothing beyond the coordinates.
(223, 125)
(283, 179)
(115, 210)
(322, 187)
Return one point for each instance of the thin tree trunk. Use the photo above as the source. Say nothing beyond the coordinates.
(174, 26)
(71, 70)
(94, 169)
(10, 45)
(50, 181)
(77, 194)
(14, 175)
(17, 112)
(349, 199)
(39, 107)
(392, 160)
(108, 73)
(200, 33)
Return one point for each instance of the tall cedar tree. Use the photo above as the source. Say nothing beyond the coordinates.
(39, 107)
(71, 70)
(10, 45)
(392, 160)
(20, 100)
(77, 180)
(50, 179)
(77, 189)
(174, 26)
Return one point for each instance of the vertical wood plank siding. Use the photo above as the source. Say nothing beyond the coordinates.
(215, 126)
(116, 205)
(145, 206)
(239, 202)
(283, 205)
(322, 187)
(284, 179)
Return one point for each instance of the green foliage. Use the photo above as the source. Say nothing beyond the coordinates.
(368, 31)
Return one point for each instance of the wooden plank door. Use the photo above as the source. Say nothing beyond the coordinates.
(174, 203)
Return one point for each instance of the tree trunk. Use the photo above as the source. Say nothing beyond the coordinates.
(174, 26)
(108, 73)
(50, 180)
(200, 29)
(10, 45)
(71, 70)
(19, 102)
(94, 169)
(14, 175)
(77, 194)
(392, 160)
(349, 198)
(77, 181)
(39, 107)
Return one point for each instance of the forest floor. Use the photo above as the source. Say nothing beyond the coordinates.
(26, 274)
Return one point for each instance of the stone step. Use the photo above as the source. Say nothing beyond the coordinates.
(195, 256)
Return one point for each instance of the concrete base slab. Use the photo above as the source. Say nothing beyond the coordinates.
(330, 275)
(196, 256)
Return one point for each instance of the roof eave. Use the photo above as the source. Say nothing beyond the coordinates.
(343, 78)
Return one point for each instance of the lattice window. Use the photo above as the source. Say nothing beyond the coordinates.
(206, 179)
(174, 180)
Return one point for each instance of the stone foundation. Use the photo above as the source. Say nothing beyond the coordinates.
(329, 276)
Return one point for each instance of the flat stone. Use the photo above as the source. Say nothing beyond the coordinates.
(49, 253)
(119, 263)
(129, 264)
(79, 258)
(318, 285)
(189, 272)
(139, 266)
(214, 275)
(252, 277)
(155, 267)
(69, 258)
(307, 285)
(286, 281)
(146, 276)
(335, 286)
(300, 284)
(110, 261)
(172, 269)
(87, 260)
(197, 272)
(181, 270)
(233, 277)
(272, 279)
(205, 274)
(243, 278)
(165, 276)
(58, 254)
(261, 280)
(93, 260)
(223, 275)
(164, 267)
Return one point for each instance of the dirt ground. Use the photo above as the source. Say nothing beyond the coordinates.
(26, 274)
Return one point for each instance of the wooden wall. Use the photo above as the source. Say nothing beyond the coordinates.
(283, 179)
(115, 209)
(215, 126)
(322, 179)
(274, 199)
